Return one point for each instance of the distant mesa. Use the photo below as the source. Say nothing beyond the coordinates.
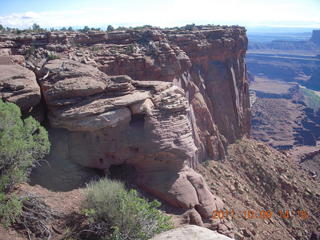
(316, 37)
(288, 44)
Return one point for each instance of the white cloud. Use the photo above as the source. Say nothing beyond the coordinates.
(56, 18)
(176, 12)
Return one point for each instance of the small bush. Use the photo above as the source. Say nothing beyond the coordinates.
(31, 50)
(52, 56)
(110, 28)
(85, 29)
(36, 28)
(130, 49)
(190, 27)
(96, 48)
(10, 209)
(22, 144)
(121, 215)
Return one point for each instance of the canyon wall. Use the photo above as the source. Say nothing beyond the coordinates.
(159, 100)
(208, 64)
(316, 37)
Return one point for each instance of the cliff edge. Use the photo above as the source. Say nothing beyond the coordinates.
(157, 100)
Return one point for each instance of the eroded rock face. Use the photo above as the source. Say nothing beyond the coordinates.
(116, 120)
(18, 84)
(119, 120)
(190, 232)
(207, 62)
(158, 100)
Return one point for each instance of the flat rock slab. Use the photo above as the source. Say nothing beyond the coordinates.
(19, 85)
(190, 232)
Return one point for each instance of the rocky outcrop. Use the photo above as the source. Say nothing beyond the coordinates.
(18, 85)
(315, 37)
(156, 101)
(114, 121)
(207, 62)
(190, 232)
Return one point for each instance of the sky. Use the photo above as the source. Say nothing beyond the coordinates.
(162, 13)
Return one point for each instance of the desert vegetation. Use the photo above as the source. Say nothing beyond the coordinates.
(23, 143)
(117, 214)
(311, 98)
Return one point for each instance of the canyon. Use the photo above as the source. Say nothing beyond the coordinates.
(286, 85)
(156, 101)
(167, 110)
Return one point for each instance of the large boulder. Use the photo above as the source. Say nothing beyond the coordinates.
(18, 85)
(190, 232)
(115, 121)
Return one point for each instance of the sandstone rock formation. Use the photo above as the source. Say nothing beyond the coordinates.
(116, 120)
(208, 63)
(190, 232)
(159, 101)
(18, 85)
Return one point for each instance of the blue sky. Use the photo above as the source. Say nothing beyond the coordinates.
(100, 13)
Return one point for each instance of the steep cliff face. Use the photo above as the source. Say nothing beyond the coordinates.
(156, 100)
(218, 73)
(316, 37)
(207, 63)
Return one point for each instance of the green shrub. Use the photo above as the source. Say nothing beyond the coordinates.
(85, 29)
(22, 144)
(52, 56)
(10, 209)
(37, 28)
(311, 98)
(110, 28)
(124, 215)
(31, 50)
(130, 49)
(190, 27)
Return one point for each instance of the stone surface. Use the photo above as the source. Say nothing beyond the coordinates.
(253, 178)
(118, 121)
(19, 85)
(159, 101)
(207, 62)
(190, 232)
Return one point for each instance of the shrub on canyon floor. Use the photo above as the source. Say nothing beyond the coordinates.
(22, 144)
(52, 56)
(118, 214)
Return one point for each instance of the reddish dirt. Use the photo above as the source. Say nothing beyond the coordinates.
(257, 177)
(65, 203)
(254, 177)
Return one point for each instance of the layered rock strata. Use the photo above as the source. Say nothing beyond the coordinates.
(160, 101)
(113, 121)
(207, 62)
(18, 85)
